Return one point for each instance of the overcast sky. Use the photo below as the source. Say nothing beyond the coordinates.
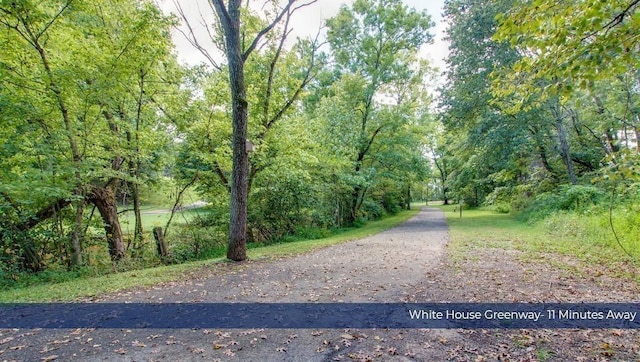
(305, 23)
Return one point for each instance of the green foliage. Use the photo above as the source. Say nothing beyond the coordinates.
(593, 229)
(584, 237)
(378, 145)
(580, 199)
(571, 44)
(86, 92)
(94, 99)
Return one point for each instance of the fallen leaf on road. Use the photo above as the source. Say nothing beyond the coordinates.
(46, 349)
(49, 358)
(196, 350)
(6, 340)
(138, 344)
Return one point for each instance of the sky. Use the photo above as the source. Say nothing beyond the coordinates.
(305, 23)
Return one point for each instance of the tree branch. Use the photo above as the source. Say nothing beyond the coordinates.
(191, 37)
(53, 20)
(618, 19)
(272, 68)
(263, 32)
(223, 14)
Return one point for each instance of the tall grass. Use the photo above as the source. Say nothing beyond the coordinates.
(586, 236)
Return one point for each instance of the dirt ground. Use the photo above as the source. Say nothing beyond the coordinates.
(409, 263)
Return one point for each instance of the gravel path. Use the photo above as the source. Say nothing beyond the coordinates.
(409, 263)
(386, 267)
(382, 268)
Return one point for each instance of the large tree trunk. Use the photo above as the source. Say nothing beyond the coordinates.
(105, 201)
(240, 113)
(229, 17)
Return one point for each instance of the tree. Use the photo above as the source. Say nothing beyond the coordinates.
(374, 45)
(68, 74)
(481, 138)
(229, 17)
(570, 44)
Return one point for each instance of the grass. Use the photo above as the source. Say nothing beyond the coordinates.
(153, 216)
(559, 234)
(86, 287)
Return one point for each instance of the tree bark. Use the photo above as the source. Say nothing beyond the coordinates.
(408, 196)
(160, 244)
(565, 150)
(229, 17)
(76, 236)
(105, 201)
(230, 20)
(138, 235)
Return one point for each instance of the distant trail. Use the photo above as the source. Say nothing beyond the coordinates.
(193, 205)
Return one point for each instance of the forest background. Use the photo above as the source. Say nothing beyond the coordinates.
(103, 129)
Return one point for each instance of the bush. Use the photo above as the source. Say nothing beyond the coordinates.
(578, 198)
(371, 210)
(205, 237)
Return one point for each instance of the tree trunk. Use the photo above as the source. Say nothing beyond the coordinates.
(445, 199)
(353, 212)
(240, 112)
(76, 236)
(105, 201)
(160, 244)
(229, 17)
(138, 236)
(32, 261)
(636, 131)
(565, 150)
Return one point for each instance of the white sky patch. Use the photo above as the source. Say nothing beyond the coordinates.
(305, 23)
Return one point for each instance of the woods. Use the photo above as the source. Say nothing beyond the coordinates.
(537, 115)
(540, 99)
(97, 111)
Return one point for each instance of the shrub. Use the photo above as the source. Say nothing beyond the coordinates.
(578, 198)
